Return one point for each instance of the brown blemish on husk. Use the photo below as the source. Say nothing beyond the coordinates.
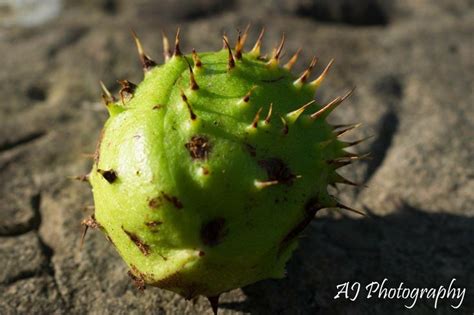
(97, 147)
(277, 170)
(137, 278)
(272, 80)
(157, 201)
(172, 199)
(109, 175)
(127, 90)
(109, 239)
(153, 224)
(311, 207)
(251, 149)
(144, 248)
(213, 231)
(198, 147)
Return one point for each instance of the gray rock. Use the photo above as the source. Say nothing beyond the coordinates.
(21, 257)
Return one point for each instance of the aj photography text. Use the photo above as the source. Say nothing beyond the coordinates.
(409, 296)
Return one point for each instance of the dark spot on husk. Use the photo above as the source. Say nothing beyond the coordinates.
(155, 203)
(251, 149)
(153, 224)
(127, 90)
(272, 80)
(201, 253)
(109, 239)
(285, 129)
(158, 106)
(144, 248)
(310, 209)
(205, 171)
(172, 199)
(137, 278)
(213, 231)
(277, 170)
(198, 147)
(108, 175)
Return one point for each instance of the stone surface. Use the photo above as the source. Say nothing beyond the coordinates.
(413, 71)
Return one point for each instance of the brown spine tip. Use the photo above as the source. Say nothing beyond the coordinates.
(305, 75)
(256, 118)
(81, 178)
(346, 129)
(238, 47)
(146, 61)
(342, 180)
(269, 115)
(276, 55)
(247, 96)
(231, 61)
(316, 83)
(177, 50)
(166, 48)
(197, 62)
(191, 112)
(127, 89)
(353, 143)
(241, 42)
(285, 128)
(214, 301)
(256, 48)
(331, 105)
(289, 65)
(90, 222)
(107, 97)
(348, 158)
(194, 86)
(109, 175)
(340, 205)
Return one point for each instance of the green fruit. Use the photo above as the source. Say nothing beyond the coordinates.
(208, 170)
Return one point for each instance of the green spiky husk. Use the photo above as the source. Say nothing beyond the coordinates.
(197, 197)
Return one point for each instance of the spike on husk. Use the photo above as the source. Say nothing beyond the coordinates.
(274, 60)
(289, 65)
(258, 44)
(317, 82)
(147, 62)
(305, 75)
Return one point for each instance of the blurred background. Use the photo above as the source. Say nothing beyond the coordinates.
(412, 62)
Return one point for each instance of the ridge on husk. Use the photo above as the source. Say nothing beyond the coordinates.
(207, 172)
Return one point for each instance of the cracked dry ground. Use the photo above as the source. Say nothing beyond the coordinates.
(414, 92)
